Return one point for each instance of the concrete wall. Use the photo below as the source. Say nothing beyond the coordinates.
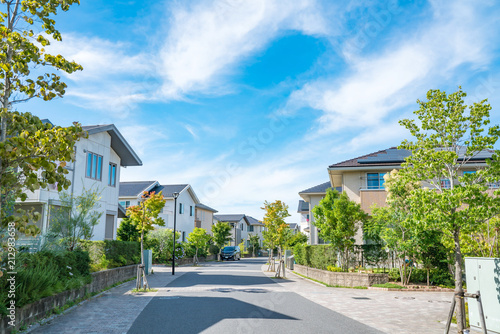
(341, 279)
(38, 310)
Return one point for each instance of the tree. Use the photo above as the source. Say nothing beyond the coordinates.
(199, 239)
(337, 219)
(449, 136)
(277, 231)
(26, 144)
(296, 238)
(161, 241)
(127, 231)
(144, 216)
(75, 219)
(221, 235)
(254, 241)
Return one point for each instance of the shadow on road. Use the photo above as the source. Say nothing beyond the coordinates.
(194, 278)
(168, 315)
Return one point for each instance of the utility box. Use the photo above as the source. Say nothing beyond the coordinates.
(148, 260)
(483, 275)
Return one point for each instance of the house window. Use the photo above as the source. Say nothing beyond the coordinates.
(183, 236)
(181, 208)
(191, 210)
(112, 175)
(125, 204)
(375, 180)
(445, 184)
(94, 166)
(250, 228)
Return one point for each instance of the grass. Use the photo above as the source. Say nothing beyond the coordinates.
(143, 290)
(331, 286)
(389, 285)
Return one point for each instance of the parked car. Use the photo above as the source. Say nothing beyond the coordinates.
(231, 253)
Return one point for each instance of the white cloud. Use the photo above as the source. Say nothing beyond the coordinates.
(380, 84)
(205, 40)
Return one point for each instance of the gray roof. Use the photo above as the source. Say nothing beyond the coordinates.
(132, 189)
(303, 206)
(127, 155)
(205, 207)
(169, 189)
(321, 188)
(293, 226)
(122, 212)
(253, 221)
(229, 218)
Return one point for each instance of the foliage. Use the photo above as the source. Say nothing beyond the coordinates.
(334, 269)
(389, 286)
(199, 239)
(296, 238)
(110, 254)
(128, 231)
(75, 219)
(161, 242)
(337, 219)
(277, 232)
(143, 216)
(46, 273)
(254, 241)
(449, 134)
(315, 256)
(437, 276)
(221, 235)
(28, 146)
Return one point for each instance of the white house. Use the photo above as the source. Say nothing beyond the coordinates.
(98, 159)
(242, 227)
(204, 217)
(131, 192)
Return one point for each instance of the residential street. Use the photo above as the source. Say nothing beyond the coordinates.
(238, 297)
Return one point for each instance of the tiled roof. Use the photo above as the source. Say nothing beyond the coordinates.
(303, 206)
(205, 207)
(168, 190)
(321, 188)
(130, 189)
(229, 218)
(253, 221)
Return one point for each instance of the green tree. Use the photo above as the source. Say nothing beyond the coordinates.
(448, 135)
(254, 242)
(221, 235)
(128, 231)
(277, 231)
(144, 216)
(75, 218)
(26, 144)
(199, 239)
(338, 219)
(296, 238)
(161, 241)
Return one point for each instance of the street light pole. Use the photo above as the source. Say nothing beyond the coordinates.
(175, 195)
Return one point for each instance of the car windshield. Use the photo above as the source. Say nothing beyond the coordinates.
(228, 249)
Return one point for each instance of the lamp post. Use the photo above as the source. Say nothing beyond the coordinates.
(175, 195)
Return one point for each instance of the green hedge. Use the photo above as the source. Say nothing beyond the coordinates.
(315, 256)
(110, 254)
(44, 274)
(419, 276)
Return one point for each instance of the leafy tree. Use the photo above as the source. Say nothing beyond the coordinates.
(337, 218)
(199, 239)
(254, 242)
(161, 242)
(277, 231)
(221, 235)
(127, 230)
(26, 144)
(144, 216)
(296, 238)
(449, 134)
(75, 219)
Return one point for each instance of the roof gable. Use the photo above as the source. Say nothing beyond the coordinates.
(136, 188)
(320, 188)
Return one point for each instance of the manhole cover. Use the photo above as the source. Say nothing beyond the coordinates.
(364, 298)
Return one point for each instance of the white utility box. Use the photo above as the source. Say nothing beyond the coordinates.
(483, 275)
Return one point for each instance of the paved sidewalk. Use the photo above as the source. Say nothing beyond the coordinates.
(388, 311)
(114, 311)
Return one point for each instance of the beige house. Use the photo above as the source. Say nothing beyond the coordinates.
(204, 217)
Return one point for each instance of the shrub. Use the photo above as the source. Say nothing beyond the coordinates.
(419, 276)
(110, 254)
(315, 256)
(334, 269)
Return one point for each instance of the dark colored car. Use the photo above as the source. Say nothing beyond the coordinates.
(231, 253)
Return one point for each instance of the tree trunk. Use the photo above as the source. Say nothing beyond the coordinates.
(458, 282)
(428, 274)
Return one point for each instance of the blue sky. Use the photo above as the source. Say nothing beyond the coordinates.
(251, 100)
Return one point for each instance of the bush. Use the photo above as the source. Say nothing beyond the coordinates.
(419, 276)
(315, 256)
(110, 254)
(334, 269)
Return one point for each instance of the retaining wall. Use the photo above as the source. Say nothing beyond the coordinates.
(342, 279)
(40, 309)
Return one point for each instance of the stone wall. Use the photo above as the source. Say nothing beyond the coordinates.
(40, 309)
(342, 279)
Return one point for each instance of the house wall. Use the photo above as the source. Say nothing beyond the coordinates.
(204, 219)
(313, 235)
(184, 221)
(99, 143)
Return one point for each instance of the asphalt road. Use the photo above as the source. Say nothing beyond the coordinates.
(236, 297)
